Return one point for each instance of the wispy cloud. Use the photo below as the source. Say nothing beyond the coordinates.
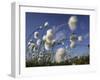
(86, 35)
(60, 36)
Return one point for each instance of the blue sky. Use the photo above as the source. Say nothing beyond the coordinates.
(59, 22)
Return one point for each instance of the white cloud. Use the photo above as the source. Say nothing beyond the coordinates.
(60, 36)
(72, 23)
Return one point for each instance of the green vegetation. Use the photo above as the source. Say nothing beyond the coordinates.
(72, 61)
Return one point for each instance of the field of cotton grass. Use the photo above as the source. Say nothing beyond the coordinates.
(52, 51)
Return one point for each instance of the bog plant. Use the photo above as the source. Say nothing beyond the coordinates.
(41, 52)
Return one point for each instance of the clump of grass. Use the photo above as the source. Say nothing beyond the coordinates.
(74, 60)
